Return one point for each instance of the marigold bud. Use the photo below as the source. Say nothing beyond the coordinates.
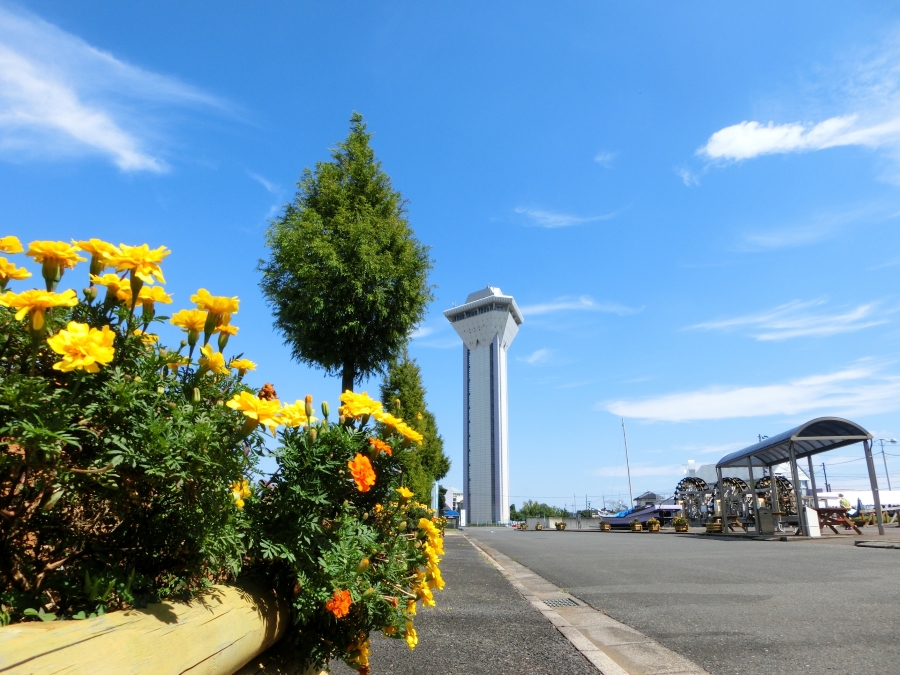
(195, 396)
(397, 403)
(325, 409)
(363, 566)
(90, 294)
(312, 434)
(309, 406)
(369, 592)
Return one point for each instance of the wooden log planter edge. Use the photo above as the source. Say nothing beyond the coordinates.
(225, 631)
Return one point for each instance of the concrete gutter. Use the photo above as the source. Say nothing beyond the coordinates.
(612, 647)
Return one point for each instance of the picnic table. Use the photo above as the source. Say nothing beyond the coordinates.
(829, 516)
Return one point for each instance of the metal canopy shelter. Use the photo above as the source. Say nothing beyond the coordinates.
(818, 435)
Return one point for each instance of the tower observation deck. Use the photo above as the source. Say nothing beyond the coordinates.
(487, 323)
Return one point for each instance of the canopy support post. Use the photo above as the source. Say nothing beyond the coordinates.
(721, 491)
(803, 526)
(812, 481)
(874, 482)
(753, 493)
(774, 496)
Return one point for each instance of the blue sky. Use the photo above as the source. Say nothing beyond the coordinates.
(696, 206)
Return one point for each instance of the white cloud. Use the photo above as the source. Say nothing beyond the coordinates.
(863, 93)
(605, 158)
(61, 96)
(551, 220)
(536, 357)
(268, 185)
(582, 303)
(861, 389)
(794, 319)
(687, 176)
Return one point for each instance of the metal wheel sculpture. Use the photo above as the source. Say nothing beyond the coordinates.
(736, 501)
(785, 494)
(690, 493)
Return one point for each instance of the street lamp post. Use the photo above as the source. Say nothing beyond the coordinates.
(884, 457)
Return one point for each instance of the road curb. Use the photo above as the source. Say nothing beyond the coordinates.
(611, 646)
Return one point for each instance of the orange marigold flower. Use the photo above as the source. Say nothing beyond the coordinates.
(339, 605)
(362, 471)
(380, 446)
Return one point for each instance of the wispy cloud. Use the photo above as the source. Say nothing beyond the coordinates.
(574, 385)
(687, 176)
(582, 303)
(268, 185)
(717, 449)
(817, 227)
(605, 158)
(536, 357)
(865, 95)
(551, 220)
(62, 96)
(795, 319)
(420, 332)
(861, 389)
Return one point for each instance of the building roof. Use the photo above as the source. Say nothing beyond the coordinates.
(647, 495)
(813, 437)
(487, 296)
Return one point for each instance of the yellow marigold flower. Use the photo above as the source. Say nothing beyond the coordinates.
(148, 295)
(242, 365)
(82, 347)
(10, 244)
(240, 490)
(213, 361)
(357, 405)
(146, 338)
(112, 282)
(9, 272)
(362, 472)
(399, 426)
(189, 320)
(227, 329)
(257, 410)
(378, 509)
(216, 304)
(411, 607)
(35, 303)
(101, 253)
(412, 639)
(429, 528)
(418, 416)
(405, 493)
(178, 363)
(54, 252)
(141, 261)
(423, 592)
(435, 580)
(294, 415)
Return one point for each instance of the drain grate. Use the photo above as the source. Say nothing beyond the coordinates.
(561, 602)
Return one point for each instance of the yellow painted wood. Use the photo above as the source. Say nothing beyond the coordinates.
(216, 634)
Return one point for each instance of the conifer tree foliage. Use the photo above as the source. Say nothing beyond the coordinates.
(346, 277)
(425, 463)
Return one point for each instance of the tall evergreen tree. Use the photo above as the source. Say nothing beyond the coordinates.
(425, 463)
(346, 277)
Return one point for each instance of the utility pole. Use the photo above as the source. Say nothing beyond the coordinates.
(884, 457)
(627, 466)
(827, 486)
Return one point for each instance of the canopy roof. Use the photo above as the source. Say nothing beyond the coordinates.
(815, 436)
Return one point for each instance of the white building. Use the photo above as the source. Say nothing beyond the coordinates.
(487, 323)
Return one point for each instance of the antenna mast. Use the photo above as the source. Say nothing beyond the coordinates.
(627, 465)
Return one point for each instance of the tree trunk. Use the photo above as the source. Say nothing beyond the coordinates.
(348, 375)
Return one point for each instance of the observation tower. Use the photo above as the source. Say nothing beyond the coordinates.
(487, 323)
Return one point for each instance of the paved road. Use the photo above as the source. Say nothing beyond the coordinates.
(480, 625)
(748, 607)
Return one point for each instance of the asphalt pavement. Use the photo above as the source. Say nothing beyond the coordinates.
(733, 606)
(481, 625)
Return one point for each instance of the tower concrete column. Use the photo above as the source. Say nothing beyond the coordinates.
(487, 323)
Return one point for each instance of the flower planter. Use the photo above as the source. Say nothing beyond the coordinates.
(713, 527)
(218, 633)
(539, 527)
(653, 528)
(560, 526)
(605, 527)
(637, 527)
(681, 528)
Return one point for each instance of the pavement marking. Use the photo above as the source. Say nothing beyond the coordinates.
(611, 646)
